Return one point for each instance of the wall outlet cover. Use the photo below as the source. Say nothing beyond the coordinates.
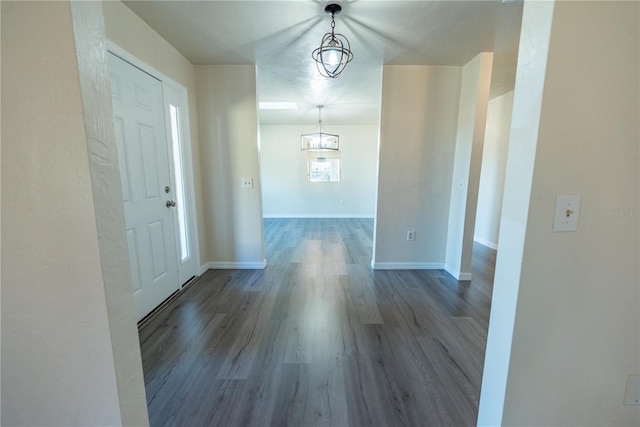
(247, 182)
(632, 392)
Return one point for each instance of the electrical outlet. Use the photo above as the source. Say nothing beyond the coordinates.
(247, 182)
(411, 235)
(632, 393)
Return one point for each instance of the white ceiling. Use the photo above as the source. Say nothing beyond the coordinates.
(279, 36)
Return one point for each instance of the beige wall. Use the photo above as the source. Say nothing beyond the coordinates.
(95, 86)
(57, 356)
(228, 118)
(575, 316)
(418, 122)
(472, 118)
(527, 102)
(127, 30)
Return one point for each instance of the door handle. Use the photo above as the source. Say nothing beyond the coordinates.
(170, 203)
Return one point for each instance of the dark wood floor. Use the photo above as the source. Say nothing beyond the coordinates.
(318, 338)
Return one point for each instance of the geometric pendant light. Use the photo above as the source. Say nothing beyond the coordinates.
(334, 52)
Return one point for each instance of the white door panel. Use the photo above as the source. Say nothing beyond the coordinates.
(145, 172)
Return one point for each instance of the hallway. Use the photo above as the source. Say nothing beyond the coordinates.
(318, 338)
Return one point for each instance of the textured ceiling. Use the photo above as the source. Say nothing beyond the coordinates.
(278, 36)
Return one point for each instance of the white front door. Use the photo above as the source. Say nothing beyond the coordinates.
(147, 188)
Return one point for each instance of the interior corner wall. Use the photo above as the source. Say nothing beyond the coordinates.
(228, 117)
(527, 103)
(95, 87)
(127, 30)
(494, 163)
(472, 118)
(287, 193)
(57, 355)
(419, 114)
(574, 310)
(579, 292)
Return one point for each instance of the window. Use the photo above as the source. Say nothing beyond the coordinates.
(324, 166)
(179, 194)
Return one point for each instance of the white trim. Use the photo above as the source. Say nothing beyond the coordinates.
(486, 243)
(204, 268)
(188, 160)
(318, 216)
(461, 277)
(233, 266)
(137, 62)
(406, 265)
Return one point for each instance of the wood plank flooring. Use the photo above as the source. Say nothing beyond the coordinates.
(319, 339)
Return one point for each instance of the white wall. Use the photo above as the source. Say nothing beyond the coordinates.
(57, 356)
(127, 30)
(573, 311)
(228, 119)
(494, 163)
(286, 192)
(419, 115)
(472, 118)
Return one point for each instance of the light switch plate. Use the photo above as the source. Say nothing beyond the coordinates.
(567, 213)
(247, 182)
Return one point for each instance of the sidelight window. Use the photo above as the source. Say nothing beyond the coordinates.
(174, 114)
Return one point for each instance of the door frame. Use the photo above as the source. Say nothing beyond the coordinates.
(185, 146)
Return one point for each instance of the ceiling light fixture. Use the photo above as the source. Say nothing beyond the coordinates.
(335, 51)
(320, 140)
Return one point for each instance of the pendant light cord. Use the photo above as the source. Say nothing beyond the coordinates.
(333, 23)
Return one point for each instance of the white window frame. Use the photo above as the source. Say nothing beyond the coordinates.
(333, 157)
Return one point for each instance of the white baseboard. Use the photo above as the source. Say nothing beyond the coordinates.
(406, 265)
(293, 216)
(204, 268)
(233, 266)
(462, 277)
(486, 243)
